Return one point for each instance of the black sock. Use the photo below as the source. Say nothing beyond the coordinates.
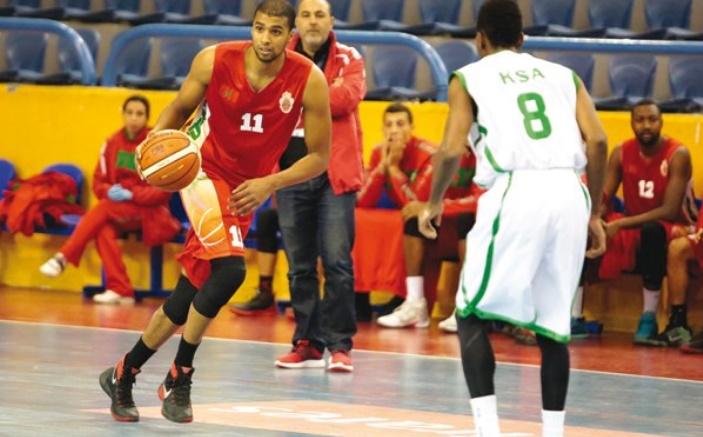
(266, 284)
(185, 354)
(139, 355)
(678, 315)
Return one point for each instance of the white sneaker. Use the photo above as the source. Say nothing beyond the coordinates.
(110, 297)
(448, 324)
(54, 266)
(410, 313)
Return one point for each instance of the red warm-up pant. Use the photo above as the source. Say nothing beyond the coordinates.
(103, 224)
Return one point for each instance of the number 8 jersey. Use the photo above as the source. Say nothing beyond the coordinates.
(242, 133)
(525, 115)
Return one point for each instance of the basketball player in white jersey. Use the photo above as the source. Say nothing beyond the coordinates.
(530, 120)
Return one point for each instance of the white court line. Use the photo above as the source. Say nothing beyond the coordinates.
(433, 357)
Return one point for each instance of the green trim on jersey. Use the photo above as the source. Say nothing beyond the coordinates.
(577, 80)
(471, 307)
(461, 77)
(532, 326)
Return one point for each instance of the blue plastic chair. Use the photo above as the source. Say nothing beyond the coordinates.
(380, 15)
(686, 85)
(32, 9)
(74, 9)
(582, 64)
(226, 12)
(456, 54)
(123, 10)
(24, 51)
(441, 17)
(616, 17)
(674, 16)
(631, 79)
(551, 16)
(69, 62)
(176, 57)
(393, 69)
(7, 173)
(178, 11)
(132, 63)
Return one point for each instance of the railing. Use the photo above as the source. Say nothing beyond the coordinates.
(438, 71)
(40, 25)
(599, 45)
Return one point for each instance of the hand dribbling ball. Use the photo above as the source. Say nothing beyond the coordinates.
(169, 160)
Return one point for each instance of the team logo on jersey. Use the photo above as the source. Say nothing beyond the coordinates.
(286, 102)
(664, 169)
(227, 93)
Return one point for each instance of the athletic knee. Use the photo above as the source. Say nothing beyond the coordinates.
(553, 351)
(411, 228)
(177, 305)
(226, 275)
(680, 250)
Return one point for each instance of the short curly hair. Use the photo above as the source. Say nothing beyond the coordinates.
(501, 22)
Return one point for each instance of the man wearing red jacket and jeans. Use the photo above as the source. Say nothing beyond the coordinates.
(317, 217)
(125, 203)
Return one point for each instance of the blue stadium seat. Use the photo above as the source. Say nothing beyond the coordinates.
(456, 54)
(381, 15)
(31, 9)
(227, 12)
(631, 79)
(672, 15)
(176, 56)
(686, 85)
(551, 15)
(393, 69)
(129, 11)
(69, 63)
(581, 63)
(132, 63)
(441, 17)
(175, 205)
(557, 20)
(77, 9)
(616, 17)
(24, 55)
(178, 11)
(7, 173)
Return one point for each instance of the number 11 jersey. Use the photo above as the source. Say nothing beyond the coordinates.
(242, 133)
(525, 114)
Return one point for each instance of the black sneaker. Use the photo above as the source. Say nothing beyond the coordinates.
(695, 344)
(673, 336)
(117, 383)
(261, 302)
(175, 394)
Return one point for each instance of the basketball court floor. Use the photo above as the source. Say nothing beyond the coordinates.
(53, 346)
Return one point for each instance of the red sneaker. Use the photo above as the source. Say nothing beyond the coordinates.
(340, 361)
(302, 356)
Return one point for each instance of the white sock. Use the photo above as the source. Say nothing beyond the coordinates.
(577, 304)
(416, 287)
(552, 423)
(651, 300)
(485, 412)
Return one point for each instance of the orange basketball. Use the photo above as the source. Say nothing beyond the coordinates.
(169, 160)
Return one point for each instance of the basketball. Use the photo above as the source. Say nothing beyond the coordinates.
(169, 160)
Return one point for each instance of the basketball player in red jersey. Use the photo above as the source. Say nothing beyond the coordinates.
(251, 95)
(655, 172)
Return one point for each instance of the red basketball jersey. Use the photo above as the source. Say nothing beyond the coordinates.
(241, 132)
(644, 180)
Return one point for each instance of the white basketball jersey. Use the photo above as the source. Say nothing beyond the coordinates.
(526, 115)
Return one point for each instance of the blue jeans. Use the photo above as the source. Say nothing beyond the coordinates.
(317, 223)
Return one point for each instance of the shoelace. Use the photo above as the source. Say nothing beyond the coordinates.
(181, 391)
(123, 390)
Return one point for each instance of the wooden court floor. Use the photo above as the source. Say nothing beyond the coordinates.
(408, 382)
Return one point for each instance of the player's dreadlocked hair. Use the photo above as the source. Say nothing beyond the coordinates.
(277, 8)
(501, 22)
